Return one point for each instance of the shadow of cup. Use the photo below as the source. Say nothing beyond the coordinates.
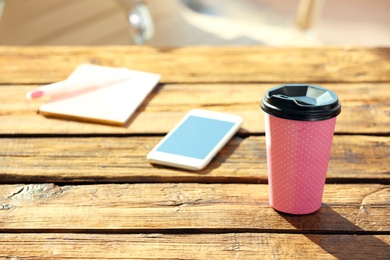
(338, 236)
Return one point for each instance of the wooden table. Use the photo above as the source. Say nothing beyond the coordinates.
(79, 190)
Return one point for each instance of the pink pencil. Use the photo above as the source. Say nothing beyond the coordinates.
(68, 87)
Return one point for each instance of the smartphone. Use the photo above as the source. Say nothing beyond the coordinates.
(195, 140)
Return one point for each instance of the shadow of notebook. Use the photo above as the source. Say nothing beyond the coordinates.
(112, 104)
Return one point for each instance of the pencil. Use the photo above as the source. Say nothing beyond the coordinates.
(71, 86)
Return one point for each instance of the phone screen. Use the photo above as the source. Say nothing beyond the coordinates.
(196, 137)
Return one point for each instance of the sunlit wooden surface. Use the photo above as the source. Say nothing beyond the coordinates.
(78, 190)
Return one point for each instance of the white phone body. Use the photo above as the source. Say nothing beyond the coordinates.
(195, 140)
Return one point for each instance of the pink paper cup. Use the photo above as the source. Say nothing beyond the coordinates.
(299, 128)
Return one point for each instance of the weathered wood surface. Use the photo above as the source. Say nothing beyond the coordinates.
(199, 246)
(124, 207)
(203, 207)
(365, 109)
(202, 64)
(123, 159)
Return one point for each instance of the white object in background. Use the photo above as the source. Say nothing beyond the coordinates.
(226, 26)
(141, 23)
(2, 3)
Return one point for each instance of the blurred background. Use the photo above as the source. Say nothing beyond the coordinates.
(174, 23)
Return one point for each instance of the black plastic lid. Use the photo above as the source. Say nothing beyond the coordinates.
(301, 102)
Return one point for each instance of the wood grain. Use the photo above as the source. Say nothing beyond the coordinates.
(202, 64)
(200, 246)
(365, 109)
(202, 207)
(123, 159)
(108, 201)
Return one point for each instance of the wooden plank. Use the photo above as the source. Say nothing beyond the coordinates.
(203, 207)
(366, 109)
(202, 64)
(243, 160)
(203, 246)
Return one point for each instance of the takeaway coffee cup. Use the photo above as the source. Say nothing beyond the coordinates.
(299, 127)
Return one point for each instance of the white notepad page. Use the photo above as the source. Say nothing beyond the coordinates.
(112, 104)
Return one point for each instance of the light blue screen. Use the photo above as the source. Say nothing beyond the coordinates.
(196, 137)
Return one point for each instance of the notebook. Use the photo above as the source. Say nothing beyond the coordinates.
(112, 104)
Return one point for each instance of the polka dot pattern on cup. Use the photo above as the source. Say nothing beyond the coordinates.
(297, 158)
